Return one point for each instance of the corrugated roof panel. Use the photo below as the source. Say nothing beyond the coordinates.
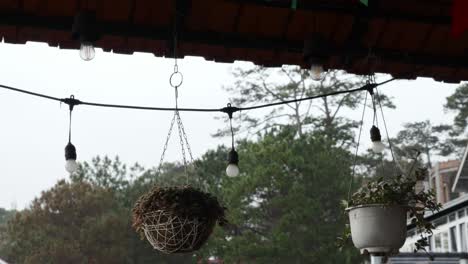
(59, 8)
(342, 26)
(437, 41)
(400, 32)
(390, 37)
(109, 43)
(248, 21)
(271, 22)
(323, 23)
(9, 4)
(9, 34)
(376, 28)
(212, 16)
(26, 34)
(422, 7)
(156, 47)
(265, 57)
(153, 13)
(301, 23)
(120, 10)
(412, 36)
(33, 6)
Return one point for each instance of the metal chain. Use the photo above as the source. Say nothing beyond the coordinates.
(185, 137)
(182, 144)
(183, 140)
(161, 160)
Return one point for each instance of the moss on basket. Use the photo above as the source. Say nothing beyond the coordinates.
(184, 201)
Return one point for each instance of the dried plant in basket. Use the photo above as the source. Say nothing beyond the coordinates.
(177, 219)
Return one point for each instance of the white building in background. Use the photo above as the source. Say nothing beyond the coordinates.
(449, 242)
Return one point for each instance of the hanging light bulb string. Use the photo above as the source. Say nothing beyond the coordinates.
(75, 102)
(70, 122)
(70, 150)
(374, 108)
(232, 169)
(375, 120)
(351, 181)
(232, 129)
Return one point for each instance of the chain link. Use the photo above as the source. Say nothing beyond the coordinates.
(161, 160)
(185, 137)
(183, 140)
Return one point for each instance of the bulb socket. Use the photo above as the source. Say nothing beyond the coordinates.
(70, 152)
(233, 157)
(375, 134)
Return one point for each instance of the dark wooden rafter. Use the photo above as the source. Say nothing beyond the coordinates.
(387, 36)
(233, 40)
(350, 8)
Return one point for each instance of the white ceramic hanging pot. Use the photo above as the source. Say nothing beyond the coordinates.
(378, 228)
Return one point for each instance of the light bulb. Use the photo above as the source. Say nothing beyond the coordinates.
(316, 72)
(87, 51)
(70, 158)
(71, 165)
(378, 146)
(232, 170)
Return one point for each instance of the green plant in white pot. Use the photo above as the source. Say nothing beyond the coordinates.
(379, 213)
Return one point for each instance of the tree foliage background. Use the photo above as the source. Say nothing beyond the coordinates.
(285, 207)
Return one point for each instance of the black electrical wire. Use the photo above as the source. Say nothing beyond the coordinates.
(229, 109)
(369, 86)
(31, 93)
(152, 108)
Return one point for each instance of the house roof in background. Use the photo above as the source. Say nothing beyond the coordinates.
(404, 38)
(447, 208)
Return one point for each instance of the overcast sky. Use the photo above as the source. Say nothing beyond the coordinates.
(33, 131)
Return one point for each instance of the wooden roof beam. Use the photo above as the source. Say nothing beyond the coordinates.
(351, 9)
(235, 40)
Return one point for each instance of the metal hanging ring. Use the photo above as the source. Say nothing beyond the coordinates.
(176, 79)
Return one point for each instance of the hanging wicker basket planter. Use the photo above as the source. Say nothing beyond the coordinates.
(177, 219)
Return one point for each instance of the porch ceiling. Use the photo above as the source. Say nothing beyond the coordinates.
(404, 38)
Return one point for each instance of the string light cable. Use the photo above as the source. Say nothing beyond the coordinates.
(175, 80)
(232, 169)
(72, 101)
(70, 151)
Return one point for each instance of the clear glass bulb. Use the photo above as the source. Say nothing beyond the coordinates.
(316, 72)
(71, 165)
(232, 170)
(87, 51)
(378, 146)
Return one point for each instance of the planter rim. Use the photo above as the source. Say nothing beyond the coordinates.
(375, 205)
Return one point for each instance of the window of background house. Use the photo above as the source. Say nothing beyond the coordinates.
(453, 239)
(445, 242)
(463, 241)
